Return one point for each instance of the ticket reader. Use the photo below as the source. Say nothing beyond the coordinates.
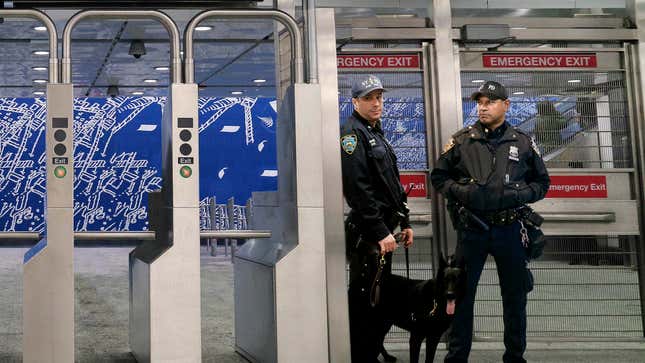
(165, 310)
(48, 295)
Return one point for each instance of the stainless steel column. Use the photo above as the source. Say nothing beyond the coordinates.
(337, 311)
(165, 308)
(446, 95)
(48, 276)
(636, 11)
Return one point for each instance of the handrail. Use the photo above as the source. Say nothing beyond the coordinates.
(602, 217)
(141, 235)
(284, 18)
(164, 19)
(34, 236)
(51, 29)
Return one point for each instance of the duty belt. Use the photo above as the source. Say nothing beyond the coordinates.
(500, 218)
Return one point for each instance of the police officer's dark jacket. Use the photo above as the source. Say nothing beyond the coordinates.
(491, 170)
(371, 178)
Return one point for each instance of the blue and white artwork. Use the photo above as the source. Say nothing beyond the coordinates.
(117, 151)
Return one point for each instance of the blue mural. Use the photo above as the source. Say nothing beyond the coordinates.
(117, 157)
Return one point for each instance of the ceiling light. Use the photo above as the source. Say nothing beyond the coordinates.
(518, 93)
(40, 28)
(259, 80)
(162, 68)
(478, 81)
(203, 28)
(40, 81)
(39, 93)
(39, 69)
(137, 93)
(237, 92)
(40, 52)
(112, 91)
(137, 48)
(149, 81)
(574, 81)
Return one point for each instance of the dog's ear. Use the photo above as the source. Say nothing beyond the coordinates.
(451, 261)
(442, 262)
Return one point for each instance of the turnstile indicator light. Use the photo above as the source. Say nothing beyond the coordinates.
(60, 135)
(60, 149)
(185, 135)
(186, 171)
(185, 149)
(60, 172)
(59, 122)
(185, 122)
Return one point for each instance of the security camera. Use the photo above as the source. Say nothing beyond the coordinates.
(137, 48)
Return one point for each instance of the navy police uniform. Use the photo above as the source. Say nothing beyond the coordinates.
(378, 205)
(491, 174)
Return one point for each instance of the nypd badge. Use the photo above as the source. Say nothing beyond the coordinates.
(349, 142)
(514, 153)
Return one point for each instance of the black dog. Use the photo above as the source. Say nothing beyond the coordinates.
(425, 308)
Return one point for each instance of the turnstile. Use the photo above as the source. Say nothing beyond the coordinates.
(283, 311)
(165, 320)
(48, 276)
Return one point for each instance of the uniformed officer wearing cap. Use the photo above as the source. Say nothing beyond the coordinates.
(488, 172)
(377, 200)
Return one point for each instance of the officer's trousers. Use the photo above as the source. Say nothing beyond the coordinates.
(366, 323)
(504, 244)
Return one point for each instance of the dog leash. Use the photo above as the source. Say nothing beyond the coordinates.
(375, 290)
(399, 238)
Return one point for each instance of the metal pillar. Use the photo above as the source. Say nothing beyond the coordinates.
(48, 305)
(636, 10)
(48, 276)
(448, 119)
(337, 312)
(165, 308)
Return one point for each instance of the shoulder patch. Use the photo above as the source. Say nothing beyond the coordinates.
(349, 143)
(449, 145)
(534, 146)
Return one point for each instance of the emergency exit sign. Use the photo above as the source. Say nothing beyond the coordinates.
(540, 60)
(408, 61)
(415, 184)
(577, 186)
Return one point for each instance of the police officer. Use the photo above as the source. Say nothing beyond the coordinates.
(488, 172)
(378, 205)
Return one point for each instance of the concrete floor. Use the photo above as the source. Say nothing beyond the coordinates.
(102, 316)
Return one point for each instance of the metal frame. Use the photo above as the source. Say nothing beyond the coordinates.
(51, 30)
(634, 65)
(282, 17)
(165, 20)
